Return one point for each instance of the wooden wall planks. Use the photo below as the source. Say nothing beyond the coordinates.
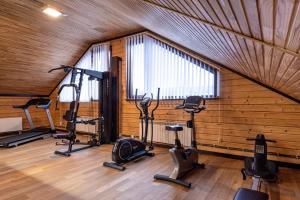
(244, 109)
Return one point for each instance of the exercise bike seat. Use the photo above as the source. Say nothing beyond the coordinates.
(247, 194)
(174, 128)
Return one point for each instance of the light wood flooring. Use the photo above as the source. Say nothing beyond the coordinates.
(32, 171)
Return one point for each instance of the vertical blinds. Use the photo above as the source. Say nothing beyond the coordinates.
(97, 58)
(152, 63)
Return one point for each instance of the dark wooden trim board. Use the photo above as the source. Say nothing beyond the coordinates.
(23, 95)
(236, 157)
(225, 155)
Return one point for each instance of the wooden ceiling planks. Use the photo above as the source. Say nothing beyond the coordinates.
(258, 38)
(31, 43)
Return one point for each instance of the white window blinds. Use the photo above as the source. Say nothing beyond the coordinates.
(152, 64)
(96, 58)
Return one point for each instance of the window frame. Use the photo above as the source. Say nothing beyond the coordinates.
(90, 51)
(130, 91)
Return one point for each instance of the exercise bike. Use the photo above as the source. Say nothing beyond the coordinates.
(129, 149)
(185, 160)
(259, 168)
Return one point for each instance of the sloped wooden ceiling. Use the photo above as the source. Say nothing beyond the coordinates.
(258, 38)
(31, 42)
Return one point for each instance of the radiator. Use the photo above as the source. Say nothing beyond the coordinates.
(87, 128)
(161, 135)
(10, 124)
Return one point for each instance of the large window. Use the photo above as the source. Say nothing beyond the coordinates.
(96, 58)
(152, 63)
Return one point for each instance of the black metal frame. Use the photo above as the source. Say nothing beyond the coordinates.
(101, 77)
(142, 149)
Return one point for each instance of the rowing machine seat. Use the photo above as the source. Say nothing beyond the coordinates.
(247, 194)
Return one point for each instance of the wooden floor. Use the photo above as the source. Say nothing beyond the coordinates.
(32, 171)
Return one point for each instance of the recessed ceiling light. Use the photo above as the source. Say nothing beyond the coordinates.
(52, 12)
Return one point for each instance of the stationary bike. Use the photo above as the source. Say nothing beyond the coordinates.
(185, 160)
(129, 149)
(259, 168)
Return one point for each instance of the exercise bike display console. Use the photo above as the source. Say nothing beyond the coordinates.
(129, 149)
(259, 168)
(185, 160)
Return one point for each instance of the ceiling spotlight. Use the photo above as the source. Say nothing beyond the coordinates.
(52, 12)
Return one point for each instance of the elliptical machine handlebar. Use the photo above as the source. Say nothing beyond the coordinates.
(146, 99)
(135, 102)
(145, 103)
(157, 104)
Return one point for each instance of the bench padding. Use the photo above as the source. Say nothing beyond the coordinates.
(247, 194)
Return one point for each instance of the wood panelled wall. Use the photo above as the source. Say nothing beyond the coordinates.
(244, 109)
(39, 116)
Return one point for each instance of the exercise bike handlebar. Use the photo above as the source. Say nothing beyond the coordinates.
(180, 106)
(191, 107)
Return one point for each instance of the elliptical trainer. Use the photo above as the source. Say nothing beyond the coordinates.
(260, 168)
(129, 149)
(185, 160)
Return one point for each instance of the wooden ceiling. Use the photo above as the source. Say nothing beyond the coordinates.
(258, 38)
(31, 43)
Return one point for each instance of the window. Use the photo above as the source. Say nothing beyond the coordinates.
(152, 64)
(96, 58)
